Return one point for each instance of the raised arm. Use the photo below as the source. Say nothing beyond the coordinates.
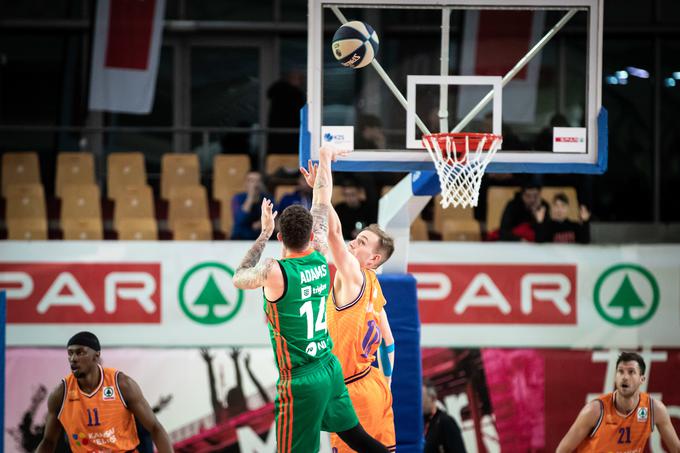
(250, 274)
(665, 426)
(53, 428)
(387, 347)
(583, 425)
(137, 404)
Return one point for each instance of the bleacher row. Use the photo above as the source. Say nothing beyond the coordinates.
(135, 214)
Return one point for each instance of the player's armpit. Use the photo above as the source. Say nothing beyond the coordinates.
(582, 427)
(53, 428)
(253, 277)
(140, 408)
(665, 427)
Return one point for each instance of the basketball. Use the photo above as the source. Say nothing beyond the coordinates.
(355, 44)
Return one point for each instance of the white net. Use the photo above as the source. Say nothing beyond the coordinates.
(460, 168)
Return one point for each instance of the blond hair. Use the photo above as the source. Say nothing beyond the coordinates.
(385, 242)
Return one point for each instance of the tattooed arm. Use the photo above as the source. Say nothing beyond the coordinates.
(250, 274)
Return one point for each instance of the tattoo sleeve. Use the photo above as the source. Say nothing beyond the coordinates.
(250, 274)
(320, 227)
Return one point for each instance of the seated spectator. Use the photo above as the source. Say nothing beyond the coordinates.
(557, 227)
(442, 433)
(354, 213)
(302, 196)
(518, 222)
(246, 208)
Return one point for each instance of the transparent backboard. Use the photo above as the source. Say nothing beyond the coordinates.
(542, 57)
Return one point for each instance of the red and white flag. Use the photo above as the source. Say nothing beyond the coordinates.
(125, 55)
(492, 45)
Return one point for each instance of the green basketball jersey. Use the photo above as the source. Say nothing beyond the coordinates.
(297, 321)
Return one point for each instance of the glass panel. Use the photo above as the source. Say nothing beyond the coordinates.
(293, 10)
(670, 134)
(40, 9)
(257, 10)
(629, 12)
(223, 95)
(625, 192)
(670, 11)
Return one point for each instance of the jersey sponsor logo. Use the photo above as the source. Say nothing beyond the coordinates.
(496, 294)
(57, 293)
(314, 273)
(319, 289)
(311, 349)
(642, 414)
(108, 394)
(306, 292)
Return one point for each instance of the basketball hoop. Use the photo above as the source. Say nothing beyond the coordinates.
(460, 160)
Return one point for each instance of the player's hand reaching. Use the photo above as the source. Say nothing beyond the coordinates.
(310, 173)
(267, 218)
(332, 153)
(584, 213)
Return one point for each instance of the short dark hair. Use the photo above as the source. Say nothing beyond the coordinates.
(632, 357)
(385, 242)
(561, 197)
(430, 388)
(295, 227)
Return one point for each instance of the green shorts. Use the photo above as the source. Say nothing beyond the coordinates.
(314, 399)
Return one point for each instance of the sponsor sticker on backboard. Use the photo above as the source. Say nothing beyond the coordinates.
(569, 139)
(340, 136)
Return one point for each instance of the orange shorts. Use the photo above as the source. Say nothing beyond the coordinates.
(372, 401)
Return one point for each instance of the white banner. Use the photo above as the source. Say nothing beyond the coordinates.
(470, 294)
(125, 55)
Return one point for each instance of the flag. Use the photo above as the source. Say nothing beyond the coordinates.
(125, 55)
(492, 45)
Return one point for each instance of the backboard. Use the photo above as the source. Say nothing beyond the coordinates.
(437, 69)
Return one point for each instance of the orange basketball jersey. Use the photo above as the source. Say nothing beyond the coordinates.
(615, 432)
(100, 421)
(354, 328)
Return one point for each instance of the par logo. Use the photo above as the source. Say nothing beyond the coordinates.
(626, 295)
(108, 394)
(642, 414)
(207, 294)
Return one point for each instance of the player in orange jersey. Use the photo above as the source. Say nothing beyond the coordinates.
(97, 406)
(357, 323)
(621, 421)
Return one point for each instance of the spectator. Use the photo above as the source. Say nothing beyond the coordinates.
(286, 98)
(557, 227)
(442, 433)
(354, 213)
(302, 196)
(518, 222)
(246, 208)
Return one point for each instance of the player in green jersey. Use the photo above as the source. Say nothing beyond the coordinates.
(311, 393)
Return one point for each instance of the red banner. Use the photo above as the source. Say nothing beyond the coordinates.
(496, 294)
(82, 292)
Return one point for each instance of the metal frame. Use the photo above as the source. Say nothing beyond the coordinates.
(398, 160)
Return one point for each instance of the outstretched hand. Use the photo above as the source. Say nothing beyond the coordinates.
(333, 152)
(268, 216)
(310, 173)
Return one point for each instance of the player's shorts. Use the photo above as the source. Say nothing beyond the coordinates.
(372, 401)
(314, 399)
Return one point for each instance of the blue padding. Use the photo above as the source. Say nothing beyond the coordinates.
(304, 137)
(3, 330)
(402, 311)
(425, 183)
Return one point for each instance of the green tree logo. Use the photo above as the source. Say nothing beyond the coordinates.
(626, 295)
(207, 295)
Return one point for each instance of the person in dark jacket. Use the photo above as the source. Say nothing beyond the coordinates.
(557, 227)
(518, 222)
(442, 434)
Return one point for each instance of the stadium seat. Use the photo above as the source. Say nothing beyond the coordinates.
(25, 201)
(133, 203)
(132, 229)
(86, 229)
(547, 193)
(124, 170)
(226, 216)
(289, 162)
(229, 174)
(20, 168)
(178, 170)
(73, 168)
(441, 214)
(187, 203)
(192, 230)
(27, 229)
(461, 230)
(497, 198)
(419, 230)
(80, 201)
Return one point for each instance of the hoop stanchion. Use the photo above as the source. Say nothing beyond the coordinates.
(460, 160)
